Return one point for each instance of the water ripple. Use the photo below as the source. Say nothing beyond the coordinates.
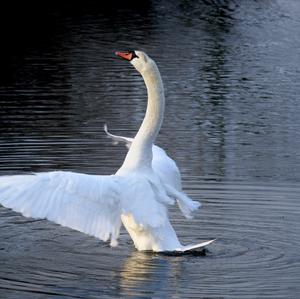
(231, 73)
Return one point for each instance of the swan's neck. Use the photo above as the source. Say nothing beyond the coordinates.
(139, 157)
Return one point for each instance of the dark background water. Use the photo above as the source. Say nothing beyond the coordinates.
(231, 73)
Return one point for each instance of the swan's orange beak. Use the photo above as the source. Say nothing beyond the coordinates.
(125, 55)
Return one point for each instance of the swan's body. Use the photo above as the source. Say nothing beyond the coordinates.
(167, 170)
(162, 164)
(138, 194)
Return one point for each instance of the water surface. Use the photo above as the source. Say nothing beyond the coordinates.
(231, 74)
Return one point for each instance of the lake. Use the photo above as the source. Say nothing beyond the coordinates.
(231, 74)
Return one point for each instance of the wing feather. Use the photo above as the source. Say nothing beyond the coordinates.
(167, 170)
(87, 203)
(145, 203)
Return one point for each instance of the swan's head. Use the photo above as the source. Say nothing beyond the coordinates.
(140, 60)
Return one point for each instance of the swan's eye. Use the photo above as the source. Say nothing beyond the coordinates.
(133, 55)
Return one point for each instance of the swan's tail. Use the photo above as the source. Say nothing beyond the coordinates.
(195, 246)
(186, 205)
(117, 138)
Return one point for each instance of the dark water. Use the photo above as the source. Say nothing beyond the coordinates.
(231, 73)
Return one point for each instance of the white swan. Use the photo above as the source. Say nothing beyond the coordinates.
(136, 195)
(167, 170)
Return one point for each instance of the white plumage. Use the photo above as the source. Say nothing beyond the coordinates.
(167, 170)
(137, 195)
(88, 203)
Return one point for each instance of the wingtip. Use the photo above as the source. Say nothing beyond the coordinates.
(113, 243)
(105, 128)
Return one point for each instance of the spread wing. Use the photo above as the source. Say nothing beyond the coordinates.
(87, 203)
(91, 204)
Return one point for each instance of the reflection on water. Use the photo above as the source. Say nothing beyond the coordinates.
(144, 273)
(157, 274)
(232, 83)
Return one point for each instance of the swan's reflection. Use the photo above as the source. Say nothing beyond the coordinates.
(148, 273)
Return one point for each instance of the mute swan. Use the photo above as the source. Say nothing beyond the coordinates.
(137, 195)
(166, 169)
